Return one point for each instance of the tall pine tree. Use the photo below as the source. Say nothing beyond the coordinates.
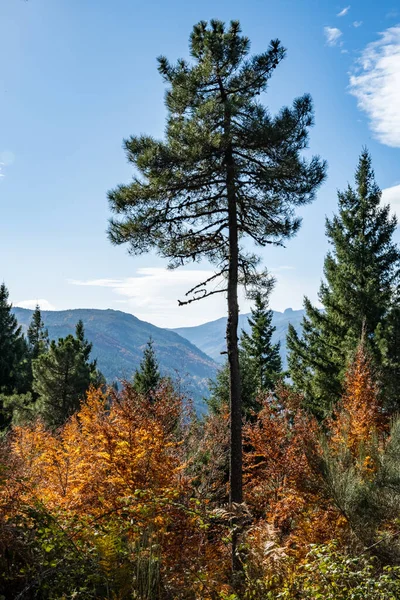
(226, 170)
(361, 285)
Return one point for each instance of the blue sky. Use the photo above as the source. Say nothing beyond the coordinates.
(77, 77)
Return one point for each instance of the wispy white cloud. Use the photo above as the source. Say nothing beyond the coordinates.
(44, 304)
(152, 294)
(344, 11)
(332, 35)
(357, 24)
(375, 83)
(391, 196)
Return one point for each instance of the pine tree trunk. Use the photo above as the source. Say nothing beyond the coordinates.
(235, 470)
(236, 484)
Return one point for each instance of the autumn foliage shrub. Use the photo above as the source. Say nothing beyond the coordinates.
(283, 485)
(111, 483)
(311, 487)
(129, 500)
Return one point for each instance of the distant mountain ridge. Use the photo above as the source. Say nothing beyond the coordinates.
(119, 339)
(210, 337)
(191, 356)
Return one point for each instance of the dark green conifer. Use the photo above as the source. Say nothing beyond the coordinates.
(147, 378)
(38, 336)
(263, 354)
(96, 377)
(219, 388)
(13, 356)
(388, 340)
(22, 407)
(259, 359)
(62, 376)
(361, 286)
(12, 346)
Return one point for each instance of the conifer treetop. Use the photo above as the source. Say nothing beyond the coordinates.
(177, 202)
(360, 289)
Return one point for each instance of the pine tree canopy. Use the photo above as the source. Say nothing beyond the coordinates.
(362, 276)
(178, 200)
(226, 170)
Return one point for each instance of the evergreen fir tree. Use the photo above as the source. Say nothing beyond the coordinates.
(264, 355)
(259, 359)
(388, 340)
(147, 378)
(62, 376)
(361, 284)
(13, 356)
(85, 345)
(219, 388)
(96, 377)
(226, 170)
(38, 336)
(21, 408)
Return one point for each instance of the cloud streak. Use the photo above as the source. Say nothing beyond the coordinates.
(31, 304)
(6, 159)
(344, 12)
(375, 83)
(152, 295)
(332, 35)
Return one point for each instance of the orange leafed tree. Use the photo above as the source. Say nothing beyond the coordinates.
(357, 416)
(117, 466)
(115, 448)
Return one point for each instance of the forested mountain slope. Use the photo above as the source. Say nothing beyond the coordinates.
(119, 339)
(210, 337)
